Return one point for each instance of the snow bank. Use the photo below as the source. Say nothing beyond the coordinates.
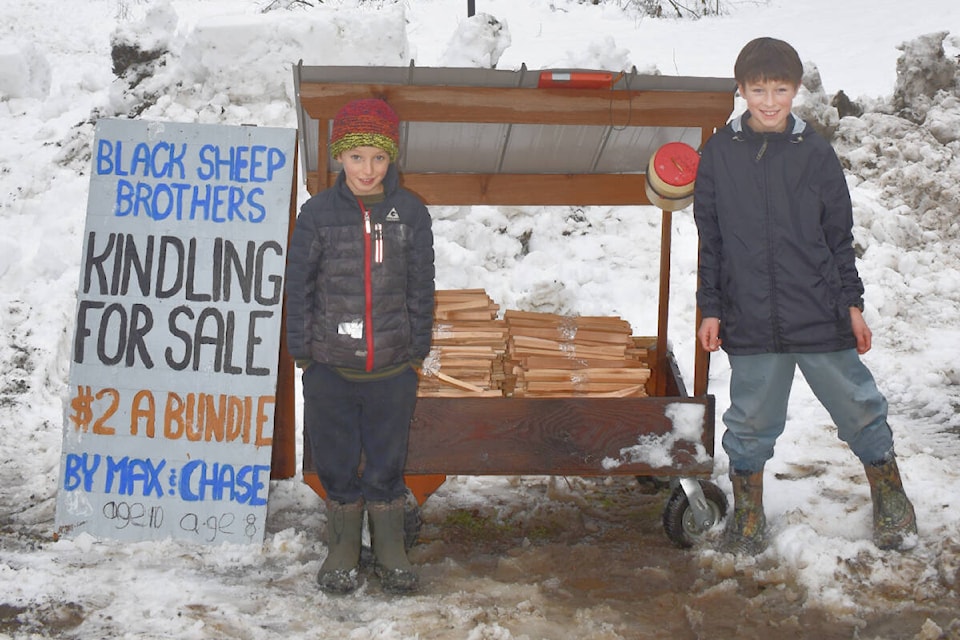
(24, 71)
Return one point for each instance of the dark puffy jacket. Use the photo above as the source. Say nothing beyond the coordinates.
(777, 264)
(328, 296)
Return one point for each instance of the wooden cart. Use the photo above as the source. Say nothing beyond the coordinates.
(554, 137)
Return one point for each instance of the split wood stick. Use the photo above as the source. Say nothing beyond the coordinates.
(587, 387)
(457, 383)
(638, 391)
(546, 362)
(573, 335)
(456, 293)
(464, 315)
(589, 375)
(458, 305)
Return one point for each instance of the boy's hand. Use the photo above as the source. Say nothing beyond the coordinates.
(860, 331)
(709, 334)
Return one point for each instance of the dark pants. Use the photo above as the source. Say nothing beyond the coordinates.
(344, 419)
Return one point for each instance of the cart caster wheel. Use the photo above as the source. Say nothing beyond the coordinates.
(679, 521)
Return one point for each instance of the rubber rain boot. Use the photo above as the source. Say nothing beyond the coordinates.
(340, 573)
(894, 520)
(397, 575)
(746, 531)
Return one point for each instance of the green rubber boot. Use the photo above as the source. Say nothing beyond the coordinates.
(397, 575)
(746, 531)
(894, 520)
(340, 573)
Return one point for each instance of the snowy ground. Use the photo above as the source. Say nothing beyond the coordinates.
(502, 558)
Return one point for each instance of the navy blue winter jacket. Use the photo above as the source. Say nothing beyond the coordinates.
(777, 264)
(330, 301)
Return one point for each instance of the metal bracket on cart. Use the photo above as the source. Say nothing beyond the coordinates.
(702, 514)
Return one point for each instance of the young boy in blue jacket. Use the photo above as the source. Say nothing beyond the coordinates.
(360, 287)
(779, 289)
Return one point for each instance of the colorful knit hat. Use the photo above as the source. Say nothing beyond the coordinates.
(368, 122)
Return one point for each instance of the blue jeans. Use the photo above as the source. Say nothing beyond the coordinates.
(346, 420)
(759, 391)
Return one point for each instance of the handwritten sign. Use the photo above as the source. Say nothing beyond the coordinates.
(169, 421)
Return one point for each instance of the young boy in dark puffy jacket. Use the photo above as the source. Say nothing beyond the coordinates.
(360, 287)
(779, 289)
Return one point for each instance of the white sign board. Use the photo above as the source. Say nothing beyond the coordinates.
(169, 421)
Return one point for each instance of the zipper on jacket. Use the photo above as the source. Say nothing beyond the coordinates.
(378, 243)
(367, 287)
(771, 259)
(763, 149)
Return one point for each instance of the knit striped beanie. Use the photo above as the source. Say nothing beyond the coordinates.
(369, 122)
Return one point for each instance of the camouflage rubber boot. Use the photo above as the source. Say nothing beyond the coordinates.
(746, 531)
(894, 520)
(397, 575)
(339, 574)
